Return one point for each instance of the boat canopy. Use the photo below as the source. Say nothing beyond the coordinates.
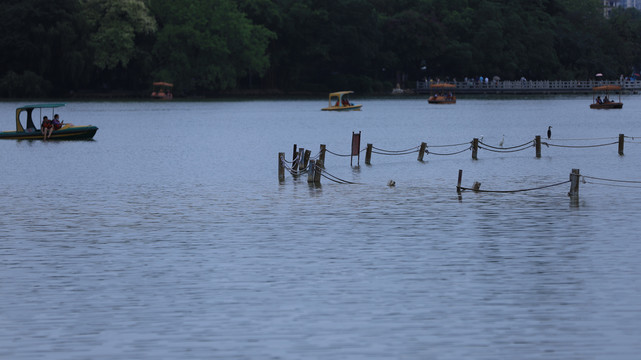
(160, 83)
(29, 110)
(442, 86)
(340, 93)
(607, 88)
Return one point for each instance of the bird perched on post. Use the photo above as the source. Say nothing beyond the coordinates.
(549, 132)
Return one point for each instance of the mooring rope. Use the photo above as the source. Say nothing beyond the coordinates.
(612, 185)
(461, 144)
(515, 191)
(611, 180)
(586, 139)
(504, 151)
(579, 146)
(405, 153)
(292, 171)
(397, 151)
(529, 143)
(333, 153)
(334, 178)
(454, 153)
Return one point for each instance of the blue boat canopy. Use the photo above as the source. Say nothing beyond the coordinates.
(40, 106)
(29, 109)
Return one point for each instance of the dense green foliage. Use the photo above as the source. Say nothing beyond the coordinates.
(56, 48)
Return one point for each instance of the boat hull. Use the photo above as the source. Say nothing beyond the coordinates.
(612, 105)
(70, 133)
(343, 108)
(441, 100)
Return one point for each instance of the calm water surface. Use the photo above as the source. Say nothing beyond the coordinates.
(169, 236)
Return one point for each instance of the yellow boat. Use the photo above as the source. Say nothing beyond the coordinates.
(442, 94)
(598, 103)
(339, 101)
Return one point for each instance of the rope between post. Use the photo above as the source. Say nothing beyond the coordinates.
(397, 151)
(454, 153)
(507, 148)
(333, 153)
(579, 146)
(382, 153)
(515, 191)
(611, 180)
(505, 151)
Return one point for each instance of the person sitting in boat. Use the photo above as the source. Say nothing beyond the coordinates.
(598, 100)
(606, 100)
(57, 124)
(46, 127)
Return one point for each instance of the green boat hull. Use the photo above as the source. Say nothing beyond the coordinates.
(71, 133)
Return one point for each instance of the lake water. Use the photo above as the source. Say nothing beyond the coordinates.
(170, 237)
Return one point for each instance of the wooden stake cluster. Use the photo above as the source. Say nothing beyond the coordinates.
(301, 160)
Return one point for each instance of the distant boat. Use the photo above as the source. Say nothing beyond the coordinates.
(339, 101)
(598, 103)
(30, 132)
(162, 90)
(442, 94)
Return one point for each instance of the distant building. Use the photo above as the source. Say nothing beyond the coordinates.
(608, 5)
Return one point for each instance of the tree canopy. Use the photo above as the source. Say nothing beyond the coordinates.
(208, 47)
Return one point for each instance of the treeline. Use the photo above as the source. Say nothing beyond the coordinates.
(207, 47)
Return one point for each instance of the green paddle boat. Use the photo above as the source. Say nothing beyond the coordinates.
(31, 132)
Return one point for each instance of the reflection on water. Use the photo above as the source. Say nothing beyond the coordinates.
(169, 236)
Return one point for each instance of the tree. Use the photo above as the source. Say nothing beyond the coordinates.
(206, 46)
(114, 26)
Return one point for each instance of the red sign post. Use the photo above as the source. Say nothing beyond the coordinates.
(356, 148)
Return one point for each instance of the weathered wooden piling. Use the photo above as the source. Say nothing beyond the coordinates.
(475, 148)
(460, 178)
(621, 139)
(421, 151)
(311, 171)
(301, 156)
(537, 143)
(574, 183)
(281, 167)
(294, 162)
(321, 156)
(317, 172)
(308, 154)
(368, 154)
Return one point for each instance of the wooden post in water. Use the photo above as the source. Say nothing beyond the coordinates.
(301, 156)
(368, 154)
(621, 139)
(475, 148)
(574, 183)
(321, 157)
(281, 168)
(317, 172)
(421, 152)
(294, 162)
(537, 143)
(308, 153)
(311, 171)
(458, 184)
